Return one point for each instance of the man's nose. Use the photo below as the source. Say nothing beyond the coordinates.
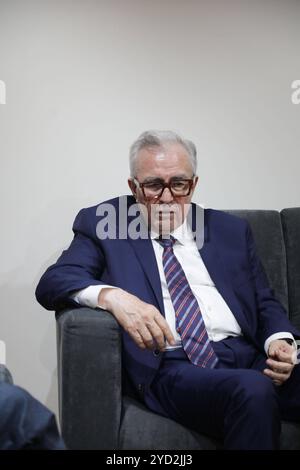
(166, 195)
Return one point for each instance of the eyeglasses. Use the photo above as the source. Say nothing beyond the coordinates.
(177, 187)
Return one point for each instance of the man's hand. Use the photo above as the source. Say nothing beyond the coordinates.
(280, 361)
(142, 321)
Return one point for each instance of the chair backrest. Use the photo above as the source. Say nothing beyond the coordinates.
(291, 230)
(268, 234)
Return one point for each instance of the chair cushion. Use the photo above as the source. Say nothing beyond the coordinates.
(142, 429)
(290, 436)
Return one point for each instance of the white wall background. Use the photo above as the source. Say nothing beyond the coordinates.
(84, 79)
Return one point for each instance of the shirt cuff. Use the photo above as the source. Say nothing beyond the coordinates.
(280, 335)
(89, 296)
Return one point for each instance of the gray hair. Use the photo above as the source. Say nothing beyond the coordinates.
(159, 139)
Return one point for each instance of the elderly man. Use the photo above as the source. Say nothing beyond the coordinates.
(205, 342)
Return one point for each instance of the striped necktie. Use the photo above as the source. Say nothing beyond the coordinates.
(189, 321)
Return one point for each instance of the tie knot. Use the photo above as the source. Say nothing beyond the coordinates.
(166, 242)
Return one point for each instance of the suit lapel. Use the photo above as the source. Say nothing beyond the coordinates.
(144, 252)
(146, 257)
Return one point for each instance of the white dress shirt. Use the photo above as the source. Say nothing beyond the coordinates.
(218, 318)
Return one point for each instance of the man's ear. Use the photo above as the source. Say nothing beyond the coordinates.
(132, 186)
(195, 184)
(196, 181)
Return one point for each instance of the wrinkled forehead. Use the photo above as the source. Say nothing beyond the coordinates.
(167, 160)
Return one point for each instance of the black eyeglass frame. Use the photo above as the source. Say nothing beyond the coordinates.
(191, 182)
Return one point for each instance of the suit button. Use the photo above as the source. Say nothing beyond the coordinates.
(140, 387)
(156, 352)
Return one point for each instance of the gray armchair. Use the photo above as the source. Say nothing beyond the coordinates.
(97, 408)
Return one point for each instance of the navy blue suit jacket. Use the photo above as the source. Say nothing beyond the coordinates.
(228, 252)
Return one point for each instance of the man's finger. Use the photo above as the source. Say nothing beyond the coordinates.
(284, 356)
(275, 375)
(281, 367)
(157, 335)
(147, 337)
(137, 338)
(165, 329)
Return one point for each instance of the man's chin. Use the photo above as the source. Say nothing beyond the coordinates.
(165, 225)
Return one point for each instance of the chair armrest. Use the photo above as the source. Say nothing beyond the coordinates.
(89, 378)
(5, 375)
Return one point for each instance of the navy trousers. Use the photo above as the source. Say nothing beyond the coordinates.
(25, 423)
(234, 402)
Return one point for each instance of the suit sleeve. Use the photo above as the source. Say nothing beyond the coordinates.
(272, 317)
(78, 267)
